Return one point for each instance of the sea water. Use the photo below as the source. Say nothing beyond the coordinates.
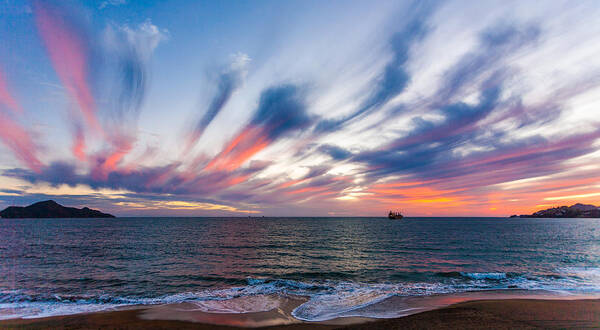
(241, 265)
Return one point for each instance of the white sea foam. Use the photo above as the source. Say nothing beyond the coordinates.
(488, 276)
(45, 309)
(247, 304)
(586, 273)
(326, 299)
(329, 306)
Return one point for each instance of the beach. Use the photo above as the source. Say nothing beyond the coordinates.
(478, 314)
(284, 272)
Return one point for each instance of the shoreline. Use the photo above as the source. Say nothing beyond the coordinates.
(501, 313)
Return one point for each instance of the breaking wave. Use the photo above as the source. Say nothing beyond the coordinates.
(327, 299)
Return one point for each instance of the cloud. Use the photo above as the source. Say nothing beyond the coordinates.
(394, 78)
(227, 83)
(509, 161)
(116, 62)
(281, 111)
(6, 98)
(459, 119)
(314, 172)
(157, 180)
(181, 205)
(78, 147)
(335, 152)
(496, 44)
(109, 3)
(68, 45)
(430, 150)
(13, 134)
(128, 51)
(431, 143)
(16, 138)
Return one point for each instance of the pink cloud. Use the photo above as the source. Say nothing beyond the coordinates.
(68, 53)
(18, 140)
(6, 98)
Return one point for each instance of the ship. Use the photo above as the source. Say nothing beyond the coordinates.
(395, 215)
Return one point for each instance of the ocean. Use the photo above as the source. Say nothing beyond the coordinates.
(238, 265)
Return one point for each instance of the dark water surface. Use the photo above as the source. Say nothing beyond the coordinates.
(61, 266)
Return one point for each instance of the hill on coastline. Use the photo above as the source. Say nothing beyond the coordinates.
(574, 211)
(51, 209)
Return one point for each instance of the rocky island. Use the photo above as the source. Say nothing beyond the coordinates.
(51, 209)
(574, 211)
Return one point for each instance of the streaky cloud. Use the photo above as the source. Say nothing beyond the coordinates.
(16, 138)
(227, 83)
(6, 98)
(394, 78)
(153, 180)
(431, 141)
(496, 44)
(13, 134)
(68, 46)
(335, 152)
(109, 3)
(78, 147)
(128, 51)
(459, 119)
(281, 111)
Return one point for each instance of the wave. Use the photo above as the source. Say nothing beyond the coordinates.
(485, 276)
(586, 273)
(327, 299)
(476, 276)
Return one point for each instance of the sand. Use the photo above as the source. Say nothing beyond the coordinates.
(500, 314)
(480, 314)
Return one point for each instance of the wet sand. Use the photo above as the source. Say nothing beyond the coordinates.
(479, 314)
(500, 314)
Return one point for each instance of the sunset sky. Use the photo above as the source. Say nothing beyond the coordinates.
(290, 108)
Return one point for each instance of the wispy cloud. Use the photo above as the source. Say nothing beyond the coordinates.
(13, 134)
(227, 83)
(109, 3)
(127, 53)
(281, 111)
(6, 98)
(19, 141)
(394, 78)
(68, 47)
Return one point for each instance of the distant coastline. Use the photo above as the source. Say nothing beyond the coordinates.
(51, 209)
(574, 211)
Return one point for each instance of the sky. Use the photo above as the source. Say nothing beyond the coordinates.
(300, 108)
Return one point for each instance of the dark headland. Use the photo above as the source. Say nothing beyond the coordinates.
(51, 209)
(574, 211)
